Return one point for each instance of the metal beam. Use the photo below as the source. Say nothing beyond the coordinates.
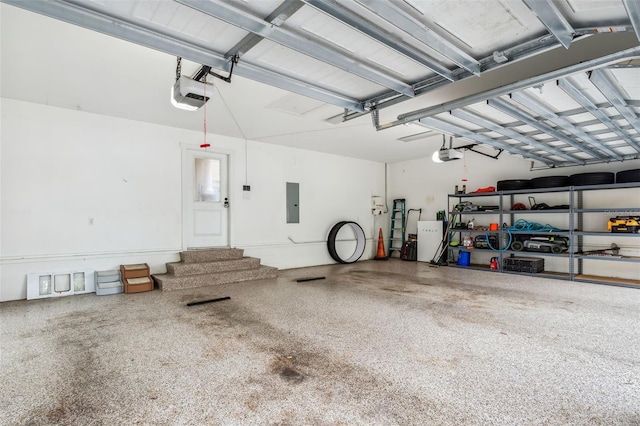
(365, 27)
(109, 25)
(550, 16)
(603, 80)
(119, 28)
(227, 13)
(633, 10)
(248, 42)
(519, 85)
(277, 17)
(416, 29)
(494, 127)
(515, 53)
(565, 124)
(300, 87)
(508, 109)
(579, 97)
(443, 126)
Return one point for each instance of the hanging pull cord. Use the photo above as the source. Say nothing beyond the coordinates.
(204, 144)
(178, 68)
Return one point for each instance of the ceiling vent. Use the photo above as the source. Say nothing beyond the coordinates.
(189, 94)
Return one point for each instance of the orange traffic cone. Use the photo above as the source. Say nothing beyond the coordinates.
(380, 255)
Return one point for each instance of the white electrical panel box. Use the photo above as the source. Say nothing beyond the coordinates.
(377, 205)
(429, 239)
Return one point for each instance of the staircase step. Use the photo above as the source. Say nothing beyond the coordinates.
(167, 282)
(210, 255)
(180, 269)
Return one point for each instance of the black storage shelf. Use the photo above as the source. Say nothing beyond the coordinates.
(631, 210)
(609, 258)
(565, 255)
(475, 231)
(544, 274)
(575, 214)
(483, 250)
(603, 234)
(543, 233)
(544, 211)
(474, 267)
(477, 212)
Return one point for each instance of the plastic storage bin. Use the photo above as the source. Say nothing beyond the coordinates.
(108, 282)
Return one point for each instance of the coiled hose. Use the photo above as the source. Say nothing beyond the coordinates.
(522, 225)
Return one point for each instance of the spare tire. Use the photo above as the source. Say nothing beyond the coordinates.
(361, 241)
(512, 184)
(517, 246)
(597, 178)
(628, 176)
(549, 182)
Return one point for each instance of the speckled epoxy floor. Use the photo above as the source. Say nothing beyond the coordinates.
(374, 343)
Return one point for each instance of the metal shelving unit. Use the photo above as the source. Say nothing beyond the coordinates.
(575, 232)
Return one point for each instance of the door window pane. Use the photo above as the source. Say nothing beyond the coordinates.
(207, 180)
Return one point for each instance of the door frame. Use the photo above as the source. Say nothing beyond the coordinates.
(185, 179)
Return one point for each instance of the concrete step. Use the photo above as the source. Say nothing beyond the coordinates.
(210, 255)
(180, 269)
(167, 282)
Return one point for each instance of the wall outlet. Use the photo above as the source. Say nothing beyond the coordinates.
(90, 221)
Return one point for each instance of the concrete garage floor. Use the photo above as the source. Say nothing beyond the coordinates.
(374, 343)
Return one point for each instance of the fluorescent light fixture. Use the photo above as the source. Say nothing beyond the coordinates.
(418, 136)
(189, 94)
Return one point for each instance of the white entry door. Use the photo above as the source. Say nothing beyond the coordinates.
(206, 202)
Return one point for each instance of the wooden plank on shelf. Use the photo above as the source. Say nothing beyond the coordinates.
(615, 280)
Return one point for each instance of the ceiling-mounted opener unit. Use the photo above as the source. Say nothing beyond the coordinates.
(446, 154)
(189, 93)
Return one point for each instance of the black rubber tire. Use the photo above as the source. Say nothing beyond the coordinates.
(360, 238)
(512, 184)
(550, 182)
(595, 178)
(628, 176)
(517, 246)
(556, 249)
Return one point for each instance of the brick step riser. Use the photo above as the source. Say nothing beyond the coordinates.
(184, 269)
(169, 283)
(200, 256)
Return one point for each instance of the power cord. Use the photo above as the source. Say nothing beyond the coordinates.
(522, 225)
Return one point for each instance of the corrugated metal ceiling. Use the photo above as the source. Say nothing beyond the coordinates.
(368, 55)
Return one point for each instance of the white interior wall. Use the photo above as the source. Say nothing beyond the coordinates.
(60, 167)
(425, 184)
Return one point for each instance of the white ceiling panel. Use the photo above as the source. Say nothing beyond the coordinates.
(482, 26)
(584, 12)
(286, 61)
(260, 8)
(372, 69)
(296, 105)
(317, 24)
(629, 81)
(361, 47)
